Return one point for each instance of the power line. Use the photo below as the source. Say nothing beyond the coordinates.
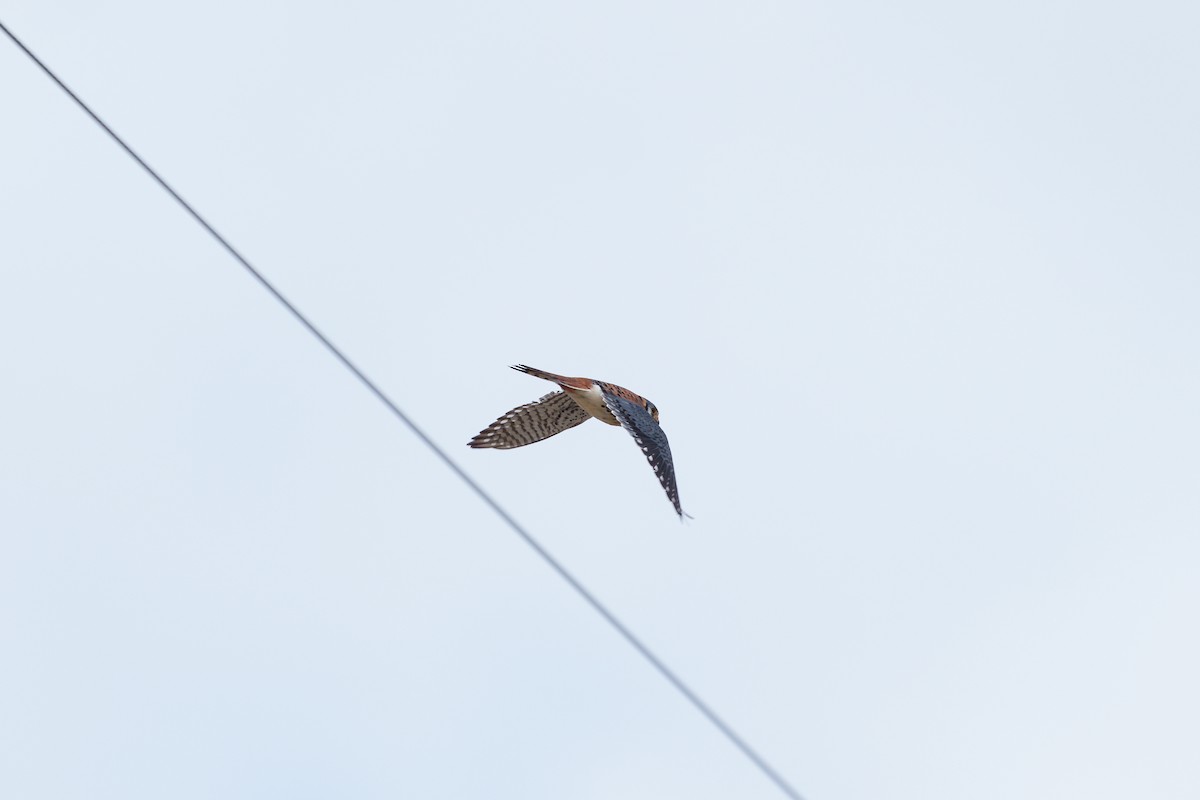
(550, 560)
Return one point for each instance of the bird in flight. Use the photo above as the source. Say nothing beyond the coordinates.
(580, 399)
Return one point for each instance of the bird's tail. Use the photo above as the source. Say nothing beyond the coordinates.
(537, 373)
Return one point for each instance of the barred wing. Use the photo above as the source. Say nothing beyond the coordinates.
(635, 419)
(532, 422)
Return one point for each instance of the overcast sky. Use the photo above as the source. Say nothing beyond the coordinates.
(916, 287)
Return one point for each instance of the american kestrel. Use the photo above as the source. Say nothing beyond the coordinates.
(579, 399)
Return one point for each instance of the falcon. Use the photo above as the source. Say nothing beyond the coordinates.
(579, 400)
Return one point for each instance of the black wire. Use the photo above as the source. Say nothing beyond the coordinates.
(574, 583)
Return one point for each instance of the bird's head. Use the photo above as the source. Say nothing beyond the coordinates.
(653, 409)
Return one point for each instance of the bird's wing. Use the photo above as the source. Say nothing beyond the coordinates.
(532, 422)
(650, 437)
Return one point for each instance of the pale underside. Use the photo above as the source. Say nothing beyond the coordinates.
(591, 400)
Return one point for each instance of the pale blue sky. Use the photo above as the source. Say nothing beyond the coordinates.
(915, 286)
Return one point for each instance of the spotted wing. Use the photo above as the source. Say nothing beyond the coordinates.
(532, 422)
(635, 419)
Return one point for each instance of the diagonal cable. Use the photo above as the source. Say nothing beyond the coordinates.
(712, 716)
